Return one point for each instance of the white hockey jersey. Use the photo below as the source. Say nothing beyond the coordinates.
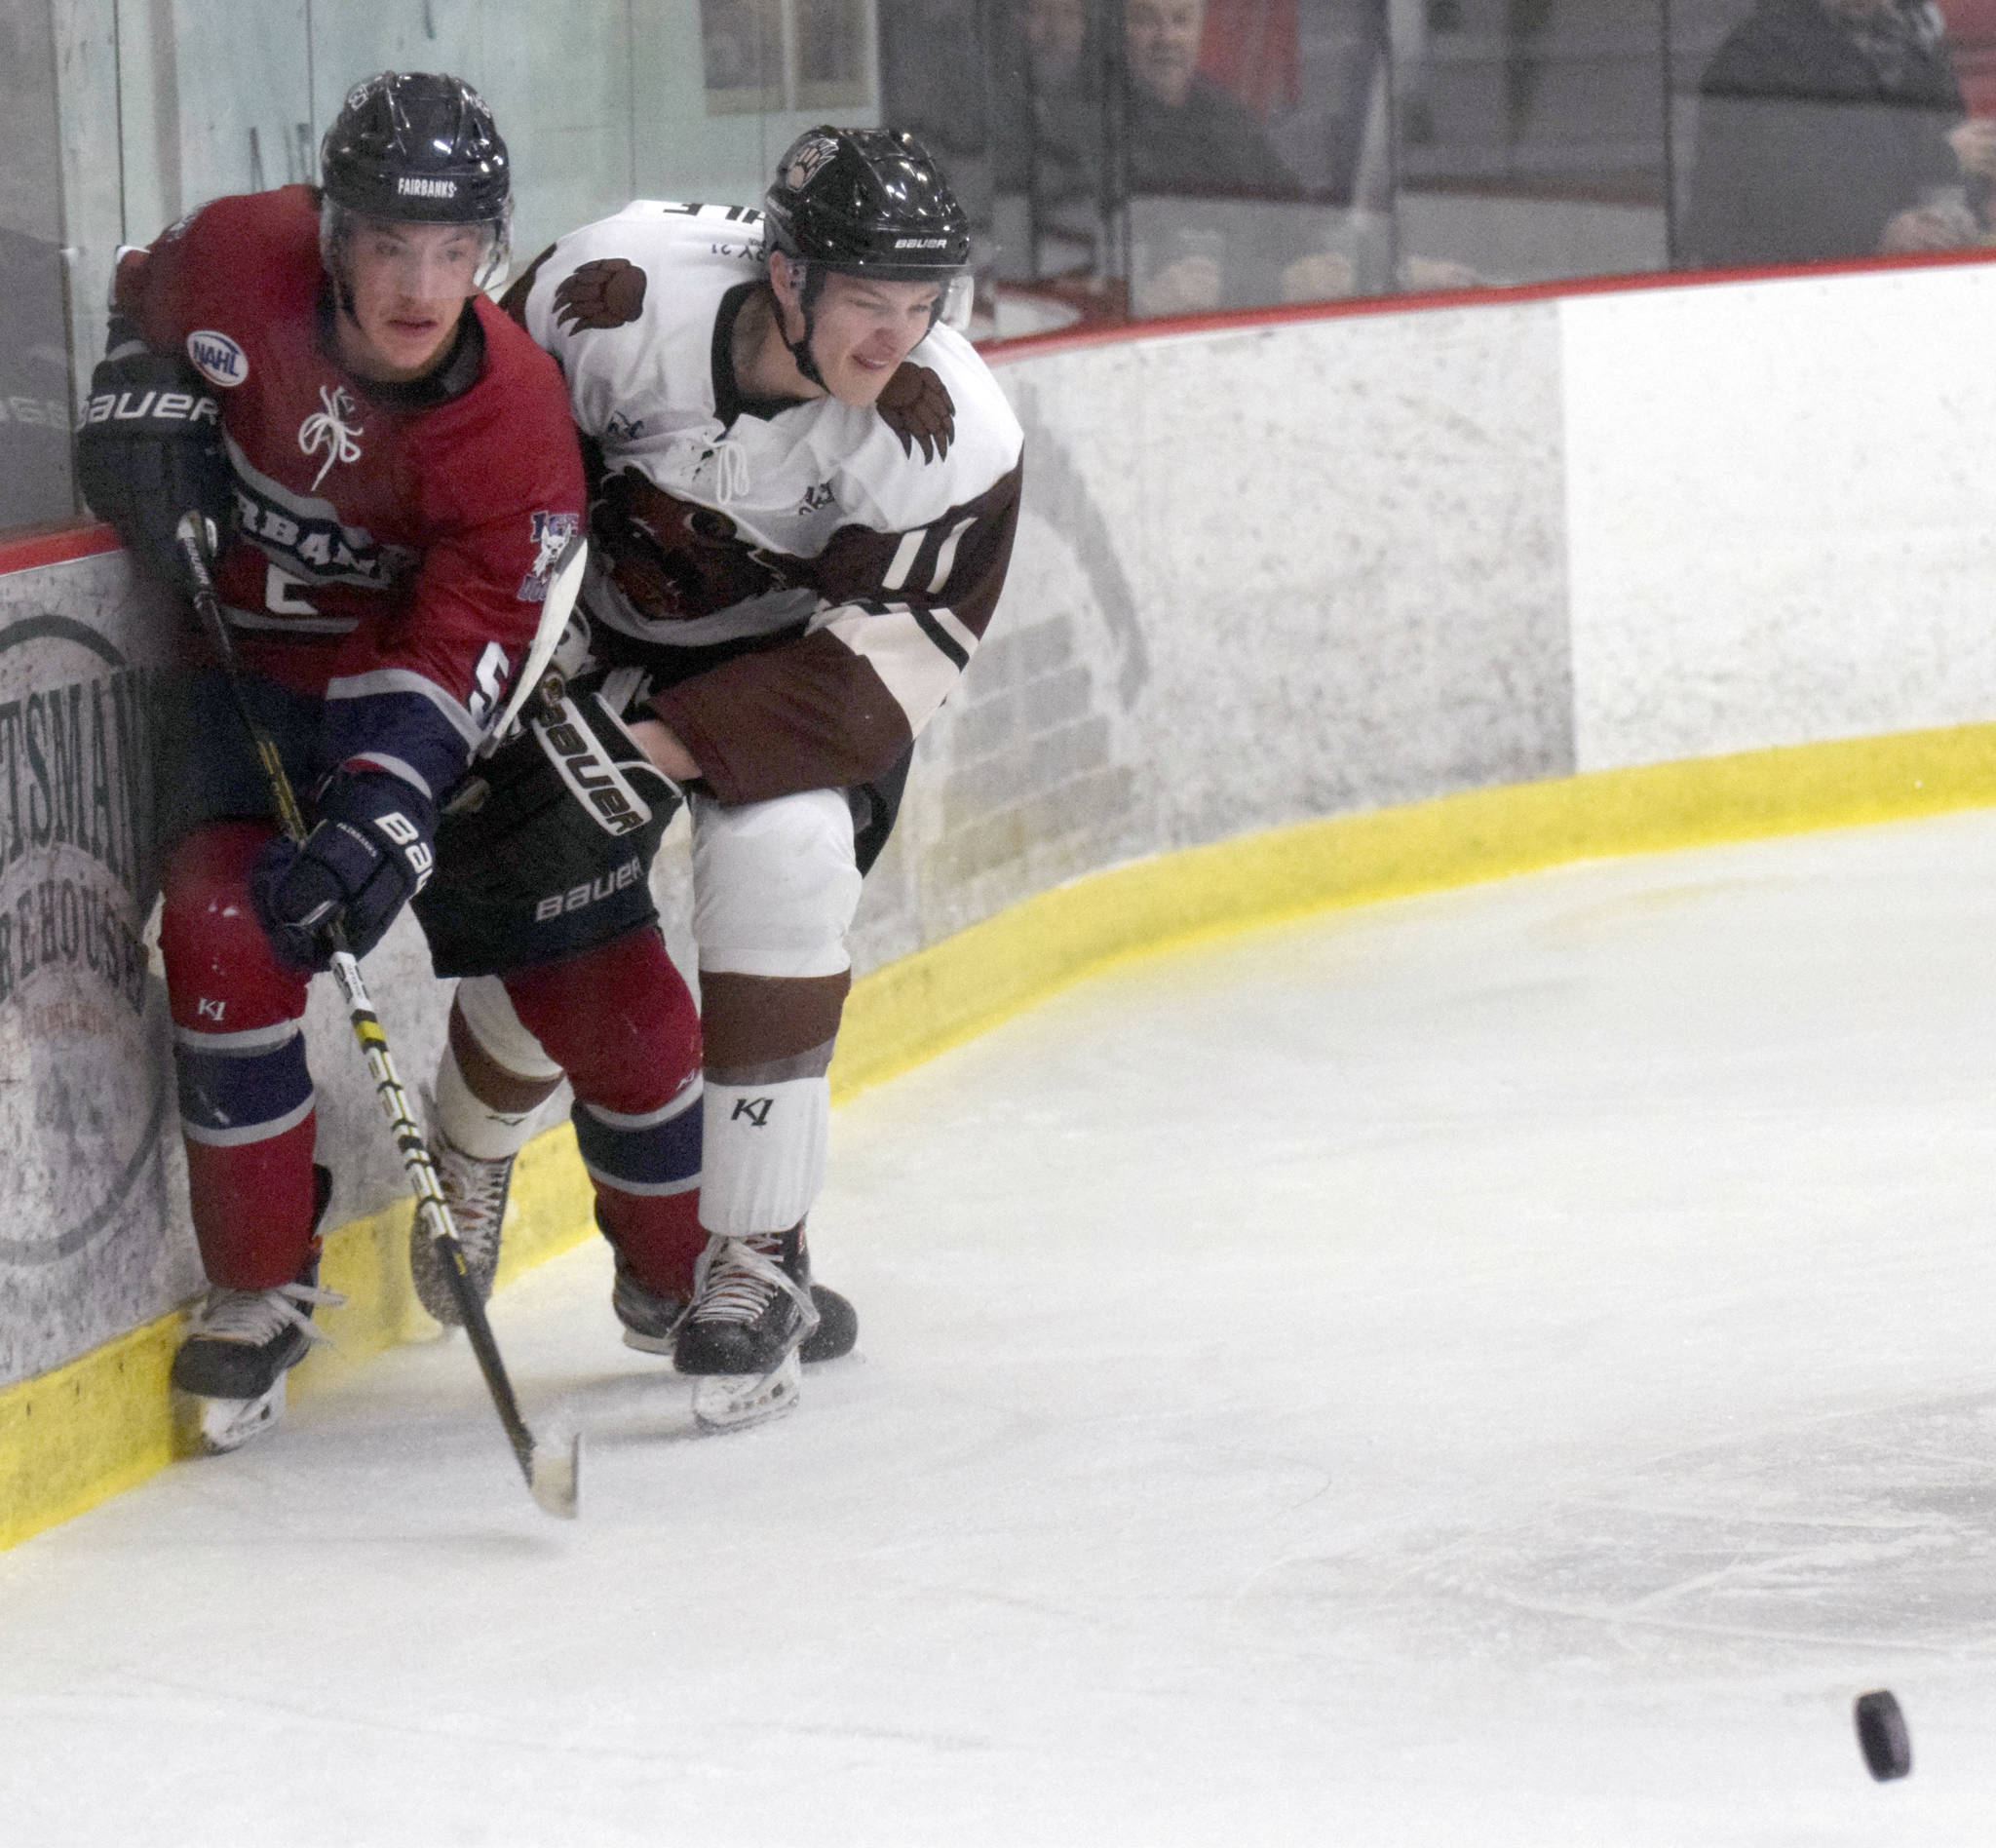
(807, 580)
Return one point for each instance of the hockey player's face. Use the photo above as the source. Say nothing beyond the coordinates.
(862, 329)
(407, 283)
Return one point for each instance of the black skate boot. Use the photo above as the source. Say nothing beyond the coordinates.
(752, 1311)
(838, 1330)
(651, 1323)
(241, 1343)
(476, 1192)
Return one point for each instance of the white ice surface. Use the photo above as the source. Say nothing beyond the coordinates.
(1503, 1368)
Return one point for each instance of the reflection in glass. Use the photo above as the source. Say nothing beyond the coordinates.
(34, 357)
(1531, 140)
(831, 54)
(742, 51)
(1833, 128)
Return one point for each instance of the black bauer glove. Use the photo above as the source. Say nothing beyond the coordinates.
(544, 849)
(370, 851)
(149, 449)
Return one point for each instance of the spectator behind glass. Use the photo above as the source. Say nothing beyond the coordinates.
(1187, 137)
(1972, 46)
(1186, 133)
(1049, 136)
(1833, 128)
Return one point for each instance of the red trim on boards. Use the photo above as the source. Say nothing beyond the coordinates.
(1497, 294)
(53, 545)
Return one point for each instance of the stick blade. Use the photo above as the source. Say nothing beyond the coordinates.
(555, 1478)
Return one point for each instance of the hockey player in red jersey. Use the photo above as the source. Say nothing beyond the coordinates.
(391, 471)
(804, 490)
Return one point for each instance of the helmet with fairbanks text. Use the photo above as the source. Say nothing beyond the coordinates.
(416, 147)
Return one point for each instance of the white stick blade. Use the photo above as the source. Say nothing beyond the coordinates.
(556, 1478)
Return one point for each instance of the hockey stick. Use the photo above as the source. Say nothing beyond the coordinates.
(551, 1478)
(564, 584)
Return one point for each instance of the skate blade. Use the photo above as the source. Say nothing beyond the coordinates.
(733, 1401)
(652, 1343)
(222, 1425)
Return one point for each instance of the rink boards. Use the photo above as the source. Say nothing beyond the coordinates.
(1301, 614)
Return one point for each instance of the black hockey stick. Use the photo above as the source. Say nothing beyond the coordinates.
(551, 1477)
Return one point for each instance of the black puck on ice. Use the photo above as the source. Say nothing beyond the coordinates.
(1882, 1734)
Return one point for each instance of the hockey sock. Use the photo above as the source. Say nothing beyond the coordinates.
(765, 1145)
(246, 1104)
(661, 1238)
(646, 1166)
(620, 1021)
(471, 1125)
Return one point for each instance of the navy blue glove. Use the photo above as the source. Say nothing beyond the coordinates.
(370, 851)
(149, 449)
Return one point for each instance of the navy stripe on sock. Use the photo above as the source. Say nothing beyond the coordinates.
(230, 1092)
(656, 1158)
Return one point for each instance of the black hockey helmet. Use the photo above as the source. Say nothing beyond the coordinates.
(422, 149)
(871, 201)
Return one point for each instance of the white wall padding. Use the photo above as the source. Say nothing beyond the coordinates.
(1780, 511)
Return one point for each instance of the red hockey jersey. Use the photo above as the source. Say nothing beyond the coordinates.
(392, 544)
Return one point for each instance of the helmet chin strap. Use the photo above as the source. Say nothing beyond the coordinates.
(800, 351)
(813, 281)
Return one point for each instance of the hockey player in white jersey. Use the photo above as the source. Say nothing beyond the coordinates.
(804, 490)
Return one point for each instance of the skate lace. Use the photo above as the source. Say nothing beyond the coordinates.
(739, 1280)
(254, 1316)
(475, 1193)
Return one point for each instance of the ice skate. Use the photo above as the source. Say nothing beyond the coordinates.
(476, 1192)
(751, 1312)
(838, 1330)
(241, 1343)
(651, 1321)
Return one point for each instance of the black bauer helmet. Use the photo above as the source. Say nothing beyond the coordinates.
(866, 202)
(871, 201)
(419, 148)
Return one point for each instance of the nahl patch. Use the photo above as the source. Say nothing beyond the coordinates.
(217, 358)
(590, 774)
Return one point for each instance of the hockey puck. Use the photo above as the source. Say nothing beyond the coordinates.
(1882, 1735)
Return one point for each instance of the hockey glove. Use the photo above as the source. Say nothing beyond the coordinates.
(544, 850)
(149, 449)
(603, 767)
(370, 851)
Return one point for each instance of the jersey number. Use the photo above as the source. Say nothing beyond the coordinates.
(489, 681)
(278, 595)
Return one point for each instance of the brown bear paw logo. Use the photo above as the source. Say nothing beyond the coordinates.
(606, 294)
(917, 407)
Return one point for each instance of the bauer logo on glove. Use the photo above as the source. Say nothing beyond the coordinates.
(369, 853)
(148, 449)
(588, 768)
(544, 851)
